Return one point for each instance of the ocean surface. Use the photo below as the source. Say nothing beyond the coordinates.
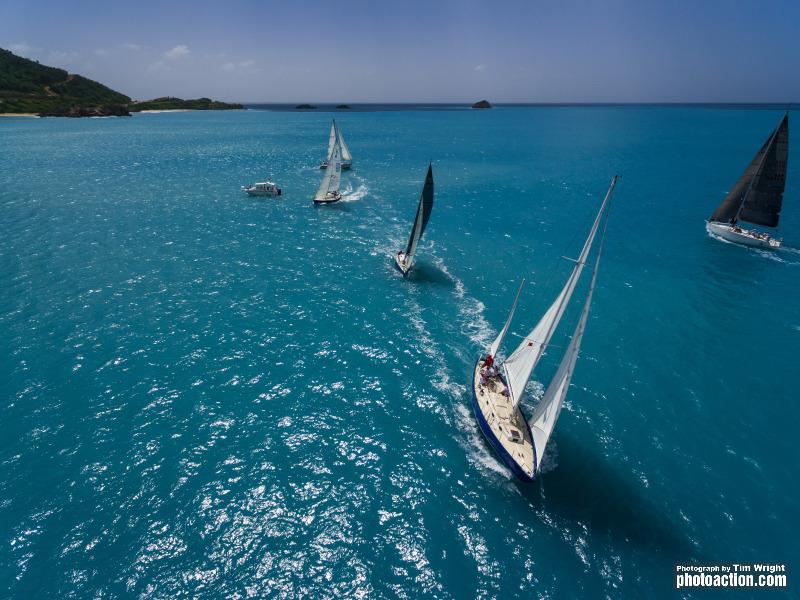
(206, 395)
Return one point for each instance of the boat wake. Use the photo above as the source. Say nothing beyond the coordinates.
(471, 310)
(352, 195)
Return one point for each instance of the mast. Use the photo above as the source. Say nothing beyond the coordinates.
(519, 366)
(424, 209)
(499, 340)
(547, 411)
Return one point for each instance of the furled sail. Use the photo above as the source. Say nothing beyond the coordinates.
(758, 195)
(519, 366)
(546, 414)
(499, 340)
(333, 174)
(423, 215)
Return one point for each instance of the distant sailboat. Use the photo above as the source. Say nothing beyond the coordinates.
(496, 396)
(328, 191)
(405, 258)
(347, 158)
(757, 196)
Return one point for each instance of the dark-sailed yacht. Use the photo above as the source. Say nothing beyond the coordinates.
(405, 258)
(757, 196)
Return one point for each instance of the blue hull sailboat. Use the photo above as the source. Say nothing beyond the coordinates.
(497, 390)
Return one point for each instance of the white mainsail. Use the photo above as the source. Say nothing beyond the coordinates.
(333, 174)
(546, 414)
(519, 366)
(499, 340)
(346, 156)
(331, 140)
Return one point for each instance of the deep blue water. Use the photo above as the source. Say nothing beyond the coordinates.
(206, 395)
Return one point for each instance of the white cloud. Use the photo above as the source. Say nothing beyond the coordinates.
(247, 63)
(179, 51)
(101, 52)
(22, 48)
(228, 66)
(480, 67)
(134, 47)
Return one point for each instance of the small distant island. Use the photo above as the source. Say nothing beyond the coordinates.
(343, 106)
(29, 88)
(482, 104)
(305, 107)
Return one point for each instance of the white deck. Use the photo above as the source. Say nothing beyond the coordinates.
(503, 419)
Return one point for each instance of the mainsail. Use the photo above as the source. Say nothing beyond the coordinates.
(546, 414)
(423, 215)
(346, 156)
(758, 195)
(332, 140)
(499, 340)
(519, 366)
(333, 174)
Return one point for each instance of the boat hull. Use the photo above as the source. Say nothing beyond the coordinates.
(492, 438)
(401, 265)
(744, 237)
(331, 200)
(324, 165)
(262, 193)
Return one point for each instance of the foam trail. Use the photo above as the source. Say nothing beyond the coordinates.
(351, 195)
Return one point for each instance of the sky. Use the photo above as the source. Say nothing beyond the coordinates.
(420, 50)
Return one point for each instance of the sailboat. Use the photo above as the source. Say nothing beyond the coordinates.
(328, 191)
(757, 196)
(336, 135)
(496, 392)
(405, 258)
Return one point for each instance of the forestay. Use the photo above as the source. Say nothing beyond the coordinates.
(499, 340)
(519, 366)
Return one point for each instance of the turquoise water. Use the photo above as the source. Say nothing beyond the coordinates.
(206, 395)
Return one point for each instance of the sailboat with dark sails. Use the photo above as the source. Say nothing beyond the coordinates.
(498, 389)
(758, 195)
(405, 258)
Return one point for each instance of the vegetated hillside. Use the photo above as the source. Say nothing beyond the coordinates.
(28, 87)
(169, 103)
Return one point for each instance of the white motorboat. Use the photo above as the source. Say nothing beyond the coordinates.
(264, 188)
